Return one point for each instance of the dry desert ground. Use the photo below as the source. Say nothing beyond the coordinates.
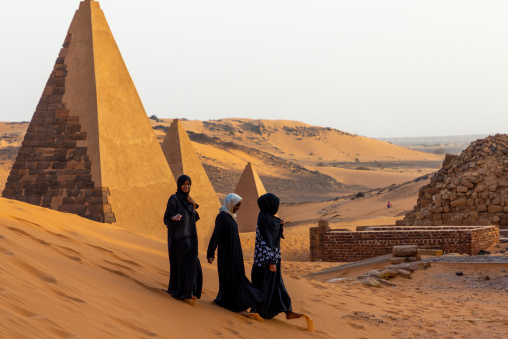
(63, 276)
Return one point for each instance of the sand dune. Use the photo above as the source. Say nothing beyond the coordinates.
(371, 178)
(63, 276)
(298, 141)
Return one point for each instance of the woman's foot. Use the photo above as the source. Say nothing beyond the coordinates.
(253, 316)
(191, 300)
(292, 315)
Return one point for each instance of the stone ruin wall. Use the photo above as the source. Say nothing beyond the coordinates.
(470, 189)
(340, 246)
(51, 170)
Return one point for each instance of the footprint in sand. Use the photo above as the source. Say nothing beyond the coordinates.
(22, 312)
(59, 333)
(119, 273)
(356, 326)
(6, 251)
(17, 230)
(36, 272)
(61, 294)
(232, 331)
(130, 324)
(100, 248)
(118, 265)
(130, 262)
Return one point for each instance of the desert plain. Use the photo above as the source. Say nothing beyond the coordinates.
(63, 276)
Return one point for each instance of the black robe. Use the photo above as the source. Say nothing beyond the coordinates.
(185, 275)
(268, 234)
(236, 293)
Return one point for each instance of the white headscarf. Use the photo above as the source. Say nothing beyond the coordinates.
(231, 200)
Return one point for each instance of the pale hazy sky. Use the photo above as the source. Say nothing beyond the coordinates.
(375, 68)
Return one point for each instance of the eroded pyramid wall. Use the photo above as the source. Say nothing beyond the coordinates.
(250, 188)
(470, 189)
(182, 159)
(89, 148)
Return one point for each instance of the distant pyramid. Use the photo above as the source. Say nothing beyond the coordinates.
(182, 159)
(89, 148)
(250, 188)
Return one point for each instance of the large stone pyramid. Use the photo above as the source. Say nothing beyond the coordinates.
(182, 159)
(250, 188)
(470, 189)
(89, 148)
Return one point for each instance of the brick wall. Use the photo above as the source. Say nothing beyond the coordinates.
(340, 246)
(50, 170)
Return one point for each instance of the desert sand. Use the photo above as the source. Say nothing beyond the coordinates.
(62, 276)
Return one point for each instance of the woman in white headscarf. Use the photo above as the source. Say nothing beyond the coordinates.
(236, 292)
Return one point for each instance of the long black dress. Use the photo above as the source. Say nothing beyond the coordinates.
(267, 251)
(185, 275)
(236, 293)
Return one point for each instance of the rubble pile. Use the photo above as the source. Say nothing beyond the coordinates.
(470, 189)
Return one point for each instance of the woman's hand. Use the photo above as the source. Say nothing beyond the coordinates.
(273, 268)
(177, 217)
(210, 260)
(191, 201)
(282, 222)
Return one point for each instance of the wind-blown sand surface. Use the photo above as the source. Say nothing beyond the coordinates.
(63, 276)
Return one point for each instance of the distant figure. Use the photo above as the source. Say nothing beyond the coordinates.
(236, 292)
(185, 275)
(389, 205)
(266, 272)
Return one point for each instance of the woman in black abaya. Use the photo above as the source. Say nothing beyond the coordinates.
(236, 293)
(266, 273)
(185, 276)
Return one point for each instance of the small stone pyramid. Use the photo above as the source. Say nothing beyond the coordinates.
(182, 159)
(89, 148)
(250, 188)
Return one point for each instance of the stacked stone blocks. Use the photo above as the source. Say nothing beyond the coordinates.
(51, 169)
(470, 189)
(316, 240)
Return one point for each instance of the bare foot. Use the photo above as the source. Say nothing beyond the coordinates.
(292, 315)
(253, 316)
(191, 300)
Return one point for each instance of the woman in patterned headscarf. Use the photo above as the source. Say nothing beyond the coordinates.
(266, 274)
(236, 293)
(185, 276)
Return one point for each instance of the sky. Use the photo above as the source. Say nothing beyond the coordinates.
(375, 68)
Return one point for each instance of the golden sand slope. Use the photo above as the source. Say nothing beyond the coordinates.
(64, 276)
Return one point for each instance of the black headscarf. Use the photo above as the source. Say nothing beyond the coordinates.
(268, 224)
(182, 196)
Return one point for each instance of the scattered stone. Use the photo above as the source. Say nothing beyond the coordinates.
(405, 251)
(459, 273)
(387, 283)
(397, 260)
(371, 282)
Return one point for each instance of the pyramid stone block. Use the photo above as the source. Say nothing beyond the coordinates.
(89, 148)
(182, 159)
(250, 188)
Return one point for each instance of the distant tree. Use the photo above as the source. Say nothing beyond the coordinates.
(440, 151)
(154, 117)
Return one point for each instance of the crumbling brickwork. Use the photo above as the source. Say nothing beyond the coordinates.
(343, 246)
(51, 170)
(471, 189)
